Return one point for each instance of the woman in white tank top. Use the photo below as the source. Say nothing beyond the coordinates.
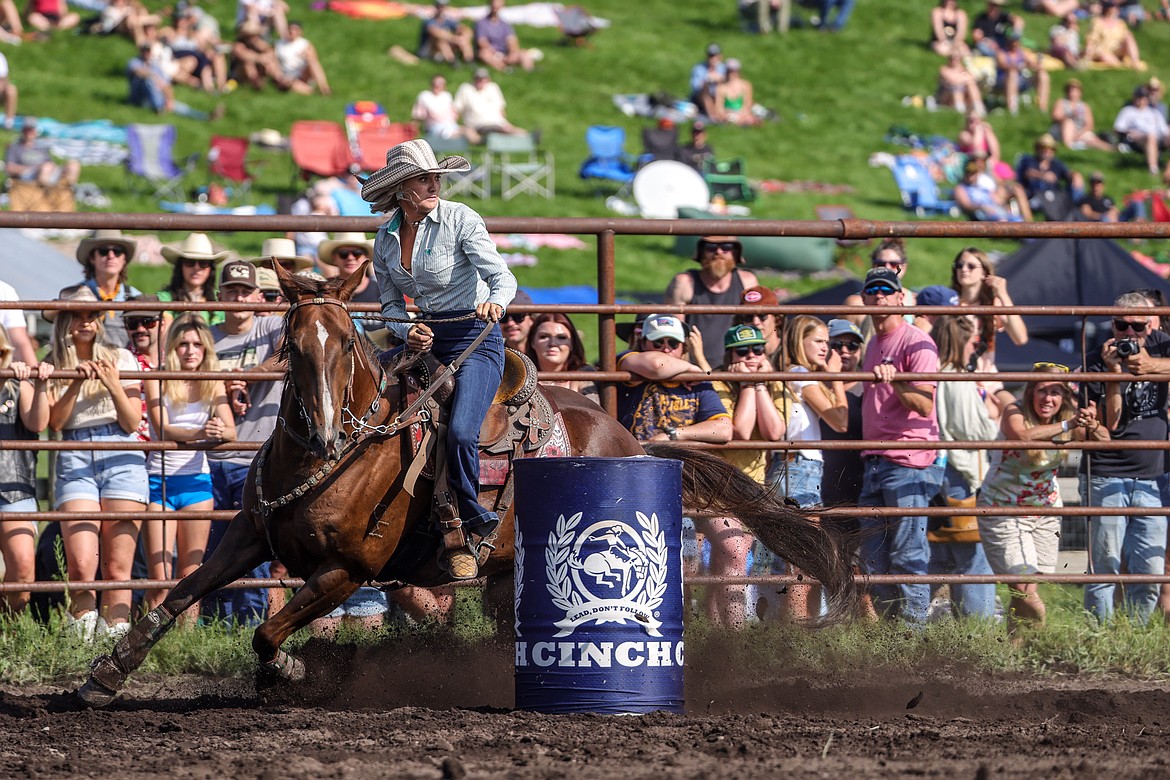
(183, 411)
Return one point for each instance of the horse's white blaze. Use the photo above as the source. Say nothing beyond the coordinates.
(326, 394)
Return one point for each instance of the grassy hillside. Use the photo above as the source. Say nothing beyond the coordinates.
(837, 96)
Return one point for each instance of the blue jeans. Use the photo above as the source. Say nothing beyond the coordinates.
(802, 483)
(1138, 540)
(245, 607)
(476, 383)
(844, 11)
(145, 93)
(897, 545)
(963, 558)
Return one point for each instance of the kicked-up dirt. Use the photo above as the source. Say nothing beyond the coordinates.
(424, 712)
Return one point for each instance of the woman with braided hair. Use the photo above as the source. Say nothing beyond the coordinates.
(439, 253)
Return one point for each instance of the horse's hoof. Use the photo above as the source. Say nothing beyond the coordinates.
(105, 680)
(94, 694)
(285, 667)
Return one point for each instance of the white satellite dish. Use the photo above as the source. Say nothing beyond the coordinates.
(664, 185)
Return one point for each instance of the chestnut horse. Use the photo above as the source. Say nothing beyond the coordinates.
(327, 497)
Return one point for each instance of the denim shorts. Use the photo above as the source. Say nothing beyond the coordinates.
(183, 490)
(365, 602)
(23, 505)
(98, 474)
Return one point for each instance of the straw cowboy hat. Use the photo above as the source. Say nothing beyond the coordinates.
(104, 238)
(281, 249)
(196, 246)
(407, 159)
(326, 248)
(77, 293)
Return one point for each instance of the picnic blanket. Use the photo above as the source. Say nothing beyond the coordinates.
(207, 208)
(531, 241)
(528, 14)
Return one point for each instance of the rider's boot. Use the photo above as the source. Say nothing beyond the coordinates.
(456, 557)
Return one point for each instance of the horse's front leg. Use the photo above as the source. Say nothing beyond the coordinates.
(242, 549)
(323, 592)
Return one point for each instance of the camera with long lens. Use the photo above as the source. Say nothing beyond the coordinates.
(1127, 348)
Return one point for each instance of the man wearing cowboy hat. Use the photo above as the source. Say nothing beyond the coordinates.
(440, 254)
(193, 276)
(718, 281)
(283, 251)
(346, 252)
(105, 257)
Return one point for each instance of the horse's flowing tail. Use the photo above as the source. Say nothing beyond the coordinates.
(712, 486)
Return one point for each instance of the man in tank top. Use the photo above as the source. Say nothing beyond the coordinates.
(720, 280)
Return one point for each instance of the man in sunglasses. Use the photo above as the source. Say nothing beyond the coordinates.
(1131, 411)
(897, 410)
(719, 280)
(656, 408)
(515, 325)
(143, 329)
(891, 254)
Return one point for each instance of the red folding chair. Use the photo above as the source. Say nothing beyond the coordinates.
(227, 159)
(374, 142)
(319, 148)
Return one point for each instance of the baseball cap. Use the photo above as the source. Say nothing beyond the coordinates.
(844, 328)
(663, 326)
(882, 276)
(714, 49)
(1096, 176)
(1141, 91)
(266, 279)
(627, 330)
(742, 336)
(481, 73)
(759, 296)
(1046, 140)
(938, 295)
(237, 272)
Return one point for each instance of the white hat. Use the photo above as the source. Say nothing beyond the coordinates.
(407, 159)
(77, 293)
(266, 279)
(327, 247)
(105, 237)
(663, 326)
(196, 246)
(280, 249)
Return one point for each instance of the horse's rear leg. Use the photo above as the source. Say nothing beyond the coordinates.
(242, 549)
(323, 592)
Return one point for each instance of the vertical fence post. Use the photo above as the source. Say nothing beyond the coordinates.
(606, 334)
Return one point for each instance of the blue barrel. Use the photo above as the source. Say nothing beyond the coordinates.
(599, 597)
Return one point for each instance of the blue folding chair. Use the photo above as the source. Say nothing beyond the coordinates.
(607, 159)
(920, 193)
(152, 159)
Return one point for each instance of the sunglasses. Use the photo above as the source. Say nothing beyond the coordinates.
(1121, 326)
(668, 342)
(844, 346)
(346, 254)
(271, 296)
(754, 349)
(516, 318)
(967, 266)
(720, 246)
(134, 323)
(190, 262)
(893, 265)
(1046, 366)
(879, 289)
(117, 251)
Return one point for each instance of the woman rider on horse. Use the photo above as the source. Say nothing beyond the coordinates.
(439, 253)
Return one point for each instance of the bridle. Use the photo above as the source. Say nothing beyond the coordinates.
(359, 425)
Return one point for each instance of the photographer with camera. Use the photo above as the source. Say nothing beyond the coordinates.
(1136, 411)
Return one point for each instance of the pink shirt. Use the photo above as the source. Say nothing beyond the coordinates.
(884, 418)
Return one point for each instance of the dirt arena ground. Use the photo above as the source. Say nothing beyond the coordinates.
(426, 714)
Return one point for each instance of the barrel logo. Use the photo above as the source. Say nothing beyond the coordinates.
(606, 572)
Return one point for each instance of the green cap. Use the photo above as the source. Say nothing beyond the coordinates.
(742, 336)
